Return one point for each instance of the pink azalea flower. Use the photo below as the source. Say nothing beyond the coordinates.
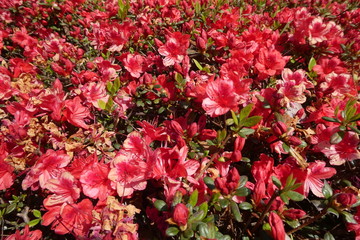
(133, 63)
(94, 181)
(221, 98)
(64, 188)
(25, 235)
(317, 171)
(95, 91)
(129, 172)
(50, 165)
(68, 218)
(6, 175)
(75, 112)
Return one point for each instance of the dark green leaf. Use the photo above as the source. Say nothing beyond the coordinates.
(197, 216)
(295, 196)
(329, 119)
(209, 182)
(235, 211)
(326, 190)
(355, 129)
(284, 197)
(286, 147)
(328, 236)
(224, 203)
(160, 205)
(276, 181)
(172, 231)
(242, 192)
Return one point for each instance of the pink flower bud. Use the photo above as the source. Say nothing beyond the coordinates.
(346, 199)
(279, 128)
(294, 141)
(180, 214)
(294, 213)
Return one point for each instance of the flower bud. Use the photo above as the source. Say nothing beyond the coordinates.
(345, 200)
(294, 213)
(294, 141)
(180, 214)
(279, 128)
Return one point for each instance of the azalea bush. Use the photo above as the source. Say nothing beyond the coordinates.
(179, 119)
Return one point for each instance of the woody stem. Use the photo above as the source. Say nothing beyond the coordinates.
(268, 205)
(309, 221)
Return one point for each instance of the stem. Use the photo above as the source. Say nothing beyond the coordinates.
(268, 205)
(309, 221)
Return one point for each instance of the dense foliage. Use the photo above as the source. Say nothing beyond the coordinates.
(179, 119)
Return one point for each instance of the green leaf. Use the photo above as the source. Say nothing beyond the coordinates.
(337, 137)
(34, 222)
(251, 121)
(266, 227)
(102, 104)
(204, 207)
(194, 198)
(177, 199)
(355, 118)
(197, 216)
(245, 132)
(109, 104)
(242, 192)
(286, 147)
(349, 217)
(229, 121)
(109, 87)
(245, 206)
(284, 197)
(209, 182)
(36, 213)
(295, 196)
(198, 64)
(329, 119)
(312, 63)
(222, 135)
(172, 231)
(224, 203)
(180, 80)
(160, 205)
(10, 208)
(235, 211)
(276, 181)
(245, 112)
(234, 117)
(243, 181)
(333, 211)
(355, 129)
(116, 85)
(328, 236)
(326, 190)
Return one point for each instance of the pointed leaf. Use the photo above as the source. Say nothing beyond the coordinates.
(36, 213)
(172, 231)
(251, 121)
(327, 190)
(235, 211)
(245, 206)
(245, 112)
(328, 236)
(242, 192)
(160, 205)
(194, 198)
(312, 63)
(234, 117)
(34, 222)
(295, 196)
(276, 181)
